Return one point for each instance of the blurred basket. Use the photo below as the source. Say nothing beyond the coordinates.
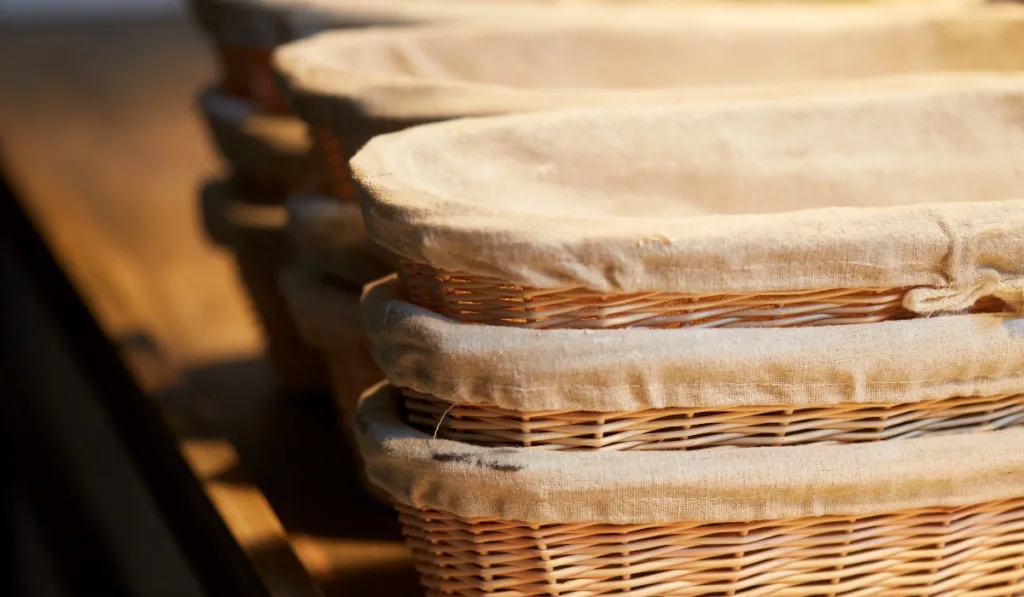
(255, 233)
(351, 86)
(327, 315)
(925, 517)
(269, 155)
(330, 241)
(322, 287)
(328, 319)
(245, 32)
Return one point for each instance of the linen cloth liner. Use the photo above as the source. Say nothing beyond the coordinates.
(637, 369)
(224, 214)
(327, 317)
(472, 69)
(912, 188)
(724, 485)
(330, 238)
(258, 146)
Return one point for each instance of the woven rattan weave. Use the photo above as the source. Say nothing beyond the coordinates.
(474, 299)
(699, 428)
(976, 551)
(481, 301)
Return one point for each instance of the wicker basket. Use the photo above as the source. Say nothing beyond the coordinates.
(269, 155)
(328, 319)
(537, 266)
(245, 32)
(256, 234)
(322, 288)
(502, 523)
(615, 390)
(349, 86)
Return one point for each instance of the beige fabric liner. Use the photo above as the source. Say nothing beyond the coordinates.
(327, 317)
(258, 146)
(225, 212)
(330, 238)
(327, 235)
(538, 486)
(913, 188)
(637, 369)
(467, 69)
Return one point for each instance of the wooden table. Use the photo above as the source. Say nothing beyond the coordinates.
(100, 137)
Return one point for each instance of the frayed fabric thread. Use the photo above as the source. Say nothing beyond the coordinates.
(934, 301)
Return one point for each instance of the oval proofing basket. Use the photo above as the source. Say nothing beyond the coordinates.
(745, 219)
(245, 32)
(351, 86)
(912, 517)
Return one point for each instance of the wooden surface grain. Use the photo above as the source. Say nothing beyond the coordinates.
(99, 133)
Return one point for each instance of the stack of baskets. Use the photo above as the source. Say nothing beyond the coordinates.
(757, 348)
(764, 347)
(766, 340)
(350, 86)
(270, 152)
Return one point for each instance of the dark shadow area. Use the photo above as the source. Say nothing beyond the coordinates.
(395, 580)
(115, 505)
(291, 447)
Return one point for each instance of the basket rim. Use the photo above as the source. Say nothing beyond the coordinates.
(318, 70)
(726, 485)
(885, 245)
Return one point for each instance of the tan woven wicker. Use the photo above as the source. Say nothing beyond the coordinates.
(662, 524)
(976, 551)
(700, 428)
(472, 300)
(479, 299)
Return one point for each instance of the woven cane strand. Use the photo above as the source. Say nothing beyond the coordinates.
(975, 551)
